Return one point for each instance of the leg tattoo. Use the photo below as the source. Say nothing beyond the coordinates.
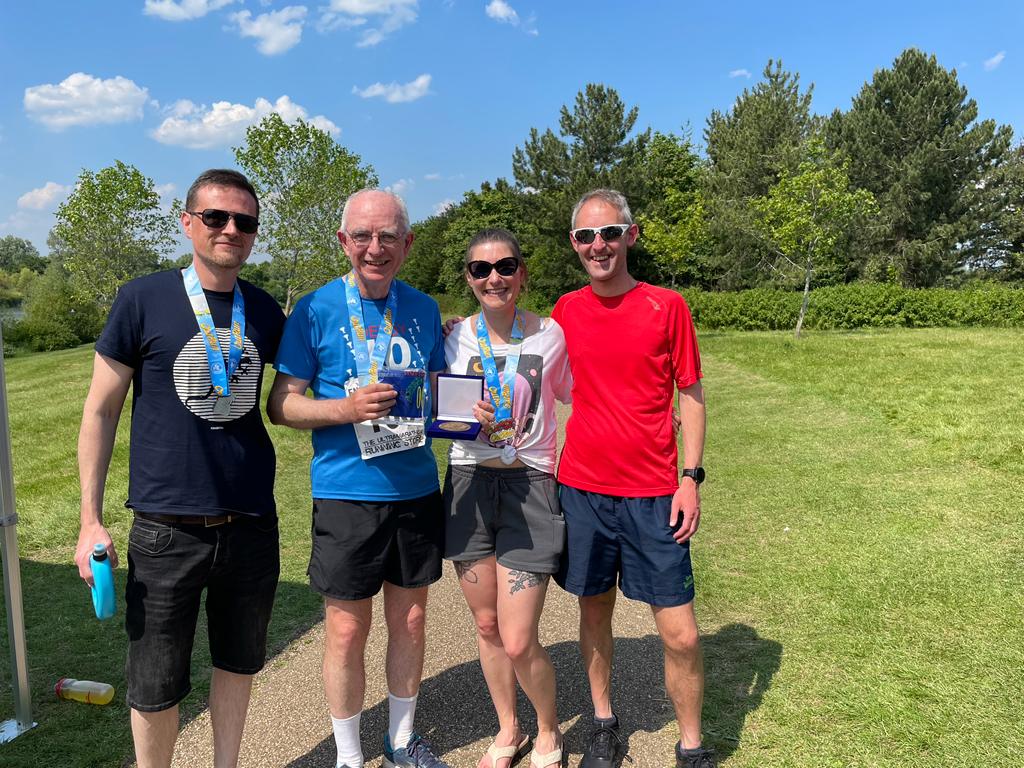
(464, 570)
(524, 580)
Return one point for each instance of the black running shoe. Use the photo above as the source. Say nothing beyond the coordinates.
(605, 747)
(703, 759)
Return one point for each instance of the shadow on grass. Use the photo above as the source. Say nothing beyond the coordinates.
(454, 708)
(64, 638)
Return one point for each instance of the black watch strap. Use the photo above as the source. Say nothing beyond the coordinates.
(696, 474)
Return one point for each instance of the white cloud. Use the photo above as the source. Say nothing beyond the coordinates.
(224, 123)
(165, 190)
(44, 197)
(995, 61)
(82, 99)
(276, 31)
(401, 186)
(443, 206)
(388, 16)
(432, 176)
(499, 10)
(740, 73)
(182, 10)
(394, 93)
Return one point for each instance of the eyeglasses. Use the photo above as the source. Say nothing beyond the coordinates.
(215, 218)
(608, 233)
(480, 270)
(365, 238)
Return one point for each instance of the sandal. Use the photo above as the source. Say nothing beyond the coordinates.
(553, 757)
(514, 752)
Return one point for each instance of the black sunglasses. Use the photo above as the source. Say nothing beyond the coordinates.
(215, 218)
(586, 235)
(505, 267)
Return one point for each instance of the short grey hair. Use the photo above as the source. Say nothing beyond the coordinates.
(403, 212)
(613, 197)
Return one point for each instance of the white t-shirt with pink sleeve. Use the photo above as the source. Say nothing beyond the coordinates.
(542, 377)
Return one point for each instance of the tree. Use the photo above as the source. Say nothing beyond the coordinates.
(912, 138)
(56, 316)
(598, 148)
(674, 226)
(262, 275)
(17, 253)
(110, 230)
(598, 153)
(422, 269)
(1006, 257)
(807, 217)
(303, 178)
(494, 205)
(749, 148)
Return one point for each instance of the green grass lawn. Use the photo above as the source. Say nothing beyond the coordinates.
(860, 556)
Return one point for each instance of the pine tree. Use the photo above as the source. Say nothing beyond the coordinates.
(749, 148)
(912, 139)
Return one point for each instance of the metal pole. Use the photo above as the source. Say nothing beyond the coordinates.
(11, 729)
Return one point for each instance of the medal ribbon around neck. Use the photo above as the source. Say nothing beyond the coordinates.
(502, 389)
(219, 376)
(367, 365)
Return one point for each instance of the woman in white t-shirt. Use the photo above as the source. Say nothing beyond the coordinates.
(504, 528)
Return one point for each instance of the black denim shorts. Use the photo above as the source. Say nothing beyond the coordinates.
(169, 566)
(512, 514)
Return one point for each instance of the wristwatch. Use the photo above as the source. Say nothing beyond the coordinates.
(696, 474)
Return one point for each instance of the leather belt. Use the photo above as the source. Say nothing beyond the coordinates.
(207, 521)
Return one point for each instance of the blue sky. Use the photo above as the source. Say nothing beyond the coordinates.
(434, 94)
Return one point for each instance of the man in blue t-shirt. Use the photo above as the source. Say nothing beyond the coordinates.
(377, 514)
(191, 344)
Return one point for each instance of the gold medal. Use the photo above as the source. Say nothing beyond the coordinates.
(453, 426)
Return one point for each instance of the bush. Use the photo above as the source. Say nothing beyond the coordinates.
(859, 305)
(54, 317)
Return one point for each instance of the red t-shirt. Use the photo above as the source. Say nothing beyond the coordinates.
(628, 354)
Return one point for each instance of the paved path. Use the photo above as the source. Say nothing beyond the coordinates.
(288, 724)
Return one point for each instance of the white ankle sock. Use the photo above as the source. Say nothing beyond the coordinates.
(400, 717)
(346, 737)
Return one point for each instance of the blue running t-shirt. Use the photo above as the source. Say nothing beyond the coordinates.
(316, 347)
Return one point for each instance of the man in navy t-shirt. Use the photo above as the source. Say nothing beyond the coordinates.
(377, 516)
(191, 344)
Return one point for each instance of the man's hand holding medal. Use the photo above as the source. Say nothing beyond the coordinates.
(372, 401)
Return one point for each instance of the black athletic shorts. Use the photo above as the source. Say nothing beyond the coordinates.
(358, 545)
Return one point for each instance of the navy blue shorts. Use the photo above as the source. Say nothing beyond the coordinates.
(624, 540)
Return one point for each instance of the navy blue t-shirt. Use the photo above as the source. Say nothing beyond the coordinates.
(185, 459)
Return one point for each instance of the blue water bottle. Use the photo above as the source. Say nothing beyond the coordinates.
(103, 582)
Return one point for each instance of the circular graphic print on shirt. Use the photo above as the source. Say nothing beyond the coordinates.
(195, 389)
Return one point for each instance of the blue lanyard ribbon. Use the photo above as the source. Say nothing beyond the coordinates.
(502, 388)
(367, 366)
(219, 376)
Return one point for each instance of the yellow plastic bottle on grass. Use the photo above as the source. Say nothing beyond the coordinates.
(86, 691)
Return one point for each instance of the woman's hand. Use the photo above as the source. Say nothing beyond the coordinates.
(483, 412)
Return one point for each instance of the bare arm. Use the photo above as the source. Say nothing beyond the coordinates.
(687, 498)
(103, 405)
(288, 404)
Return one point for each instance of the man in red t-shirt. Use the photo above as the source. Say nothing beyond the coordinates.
(629, 516)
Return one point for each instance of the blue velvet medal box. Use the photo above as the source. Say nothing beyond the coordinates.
(456, 395)
(409, 396)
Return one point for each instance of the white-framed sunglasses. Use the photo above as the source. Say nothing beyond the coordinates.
(608, 233)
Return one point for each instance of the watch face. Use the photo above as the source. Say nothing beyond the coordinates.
(697, 474)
